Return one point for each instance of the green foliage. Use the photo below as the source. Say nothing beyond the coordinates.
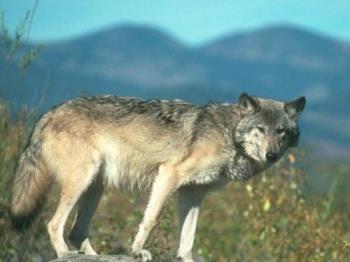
(270, 219)
(13, 52)
(12, 43)
(28, 58)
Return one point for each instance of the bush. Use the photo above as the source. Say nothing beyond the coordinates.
(271, 218)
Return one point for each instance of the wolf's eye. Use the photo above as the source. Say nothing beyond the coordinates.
(261, 129)
(280, 131)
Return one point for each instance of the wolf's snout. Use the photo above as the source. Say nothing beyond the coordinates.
(271, 157)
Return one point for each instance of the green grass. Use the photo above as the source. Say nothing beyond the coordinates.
(271, 218)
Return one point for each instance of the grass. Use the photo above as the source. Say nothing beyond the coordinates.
(270, 218)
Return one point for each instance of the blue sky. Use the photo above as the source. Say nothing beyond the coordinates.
(192, 22)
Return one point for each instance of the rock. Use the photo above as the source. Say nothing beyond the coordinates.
(87, 258)
(75, 257)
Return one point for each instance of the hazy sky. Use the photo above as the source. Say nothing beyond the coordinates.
(191, 21)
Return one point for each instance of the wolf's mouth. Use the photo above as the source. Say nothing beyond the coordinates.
(271, 157)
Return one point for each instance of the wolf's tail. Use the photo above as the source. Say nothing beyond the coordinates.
(31, 182)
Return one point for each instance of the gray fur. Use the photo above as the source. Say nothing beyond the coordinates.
(87, 143)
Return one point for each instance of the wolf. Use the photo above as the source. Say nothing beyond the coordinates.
(89, 143)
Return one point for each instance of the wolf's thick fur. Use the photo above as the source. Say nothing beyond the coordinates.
(88, 143)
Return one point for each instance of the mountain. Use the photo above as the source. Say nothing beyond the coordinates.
(287, 60)
(137, 55)
(281, 61)
(282, 44)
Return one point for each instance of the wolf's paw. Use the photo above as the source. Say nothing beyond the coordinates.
(70, 253)
(188, 258)
(185, 259)
(144, 254)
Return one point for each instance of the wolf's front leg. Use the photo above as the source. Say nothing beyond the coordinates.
(164, 185)
(189, 200)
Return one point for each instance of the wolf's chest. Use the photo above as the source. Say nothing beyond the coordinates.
(204, 177)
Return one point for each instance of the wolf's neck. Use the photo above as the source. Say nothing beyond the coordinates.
(240, 167)
(224, 118)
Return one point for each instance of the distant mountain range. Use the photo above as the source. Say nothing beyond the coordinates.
(280, 61)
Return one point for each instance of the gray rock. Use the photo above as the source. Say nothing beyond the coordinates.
(76, 257)
(87, 258)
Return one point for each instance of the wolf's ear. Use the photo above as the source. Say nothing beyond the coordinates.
(248, 104)
(294, 108)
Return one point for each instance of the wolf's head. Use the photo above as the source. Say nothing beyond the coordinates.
(267, 127)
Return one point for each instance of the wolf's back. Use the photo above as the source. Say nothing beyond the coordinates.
(30, 184)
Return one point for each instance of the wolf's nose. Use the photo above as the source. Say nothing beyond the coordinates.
(271, 157)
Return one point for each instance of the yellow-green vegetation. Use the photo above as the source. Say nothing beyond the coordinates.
(273, 217)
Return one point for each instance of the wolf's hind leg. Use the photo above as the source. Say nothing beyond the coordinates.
(71, 192)
(163, 186)
(189, 201)
(79, 234)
